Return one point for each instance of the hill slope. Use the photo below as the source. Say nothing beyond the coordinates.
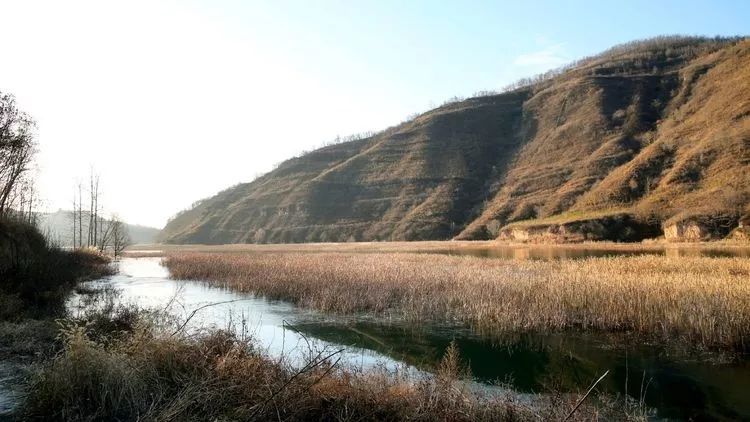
(646, 136)
(58, 227)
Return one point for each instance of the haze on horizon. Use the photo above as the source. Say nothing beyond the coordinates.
(172, 101)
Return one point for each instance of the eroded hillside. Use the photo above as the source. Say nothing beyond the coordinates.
(645, 137)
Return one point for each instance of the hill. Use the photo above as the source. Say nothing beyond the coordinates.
(645, 139)
(58, 227)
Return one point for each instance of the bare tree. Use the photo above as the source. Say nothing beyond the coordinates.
(93, 228)
(73, 214)
(17, 149)
(90, 239)
(119, 236)
(27, 202)
(106, 235)
(95, 200)
(23, 200)
(80, 215)
(104, 239)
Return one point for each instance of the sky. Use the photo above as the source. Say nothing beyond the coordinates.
(173, 101)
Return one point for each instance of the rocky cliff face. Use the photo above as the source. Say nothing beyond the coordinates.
(608, 227)
(646, 135)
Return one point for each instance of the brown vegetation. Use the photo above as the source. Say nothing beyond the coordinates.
(148, 375)
(701, 301)
(36, 276)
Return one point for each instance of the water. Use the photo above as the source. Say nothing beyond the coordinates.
(676, 384)
(143, 281)
(10, 388)
(499, 250)
(542, 252)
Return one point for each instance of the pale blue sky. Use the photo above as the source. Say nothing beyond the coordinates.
(431, 50)
(175, 100)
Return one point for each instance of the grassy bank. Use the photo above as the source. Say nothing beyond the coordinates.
(135, 370)
(36, 276)
(701, 301)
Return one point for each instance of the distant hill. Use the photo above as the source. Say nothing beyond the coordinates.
(59, 227)
(649, 138)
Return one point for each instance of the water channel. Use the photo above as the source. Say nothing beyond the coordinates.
(678, 385)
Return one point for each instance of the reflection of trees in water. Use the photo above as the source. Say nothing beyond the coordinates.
(537, 363)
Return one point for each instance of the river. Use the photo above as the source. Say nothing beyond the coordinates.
(676, 384)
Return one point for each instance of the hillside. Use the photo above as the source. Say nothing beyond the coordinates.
(58, 227)
(645, 139)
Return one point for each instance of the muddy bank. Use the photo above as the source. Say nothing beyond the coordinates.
(627, 228)
(617, 228)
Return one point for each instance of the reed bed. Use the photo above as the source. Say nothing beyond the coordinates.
(139, 371)
(700, 301)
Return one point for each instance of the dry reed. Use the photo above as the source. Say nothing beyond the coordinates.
(149, 376)
(704, 301)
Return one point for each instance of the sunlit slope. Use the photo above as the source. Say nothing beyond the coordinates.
(423, 179)
(656, 131)
(666, 144)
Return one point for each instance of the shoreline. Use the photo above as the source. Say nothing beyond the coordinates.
(158, 249)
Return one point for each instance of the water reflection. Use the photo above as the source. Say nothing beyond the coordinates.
(541, 252)
(143, 281)
(677, 386)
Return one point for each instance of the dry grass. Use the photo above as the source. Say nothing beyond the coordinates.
(702, 301)
(27, 340)
(566, 217)
(151, 376)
